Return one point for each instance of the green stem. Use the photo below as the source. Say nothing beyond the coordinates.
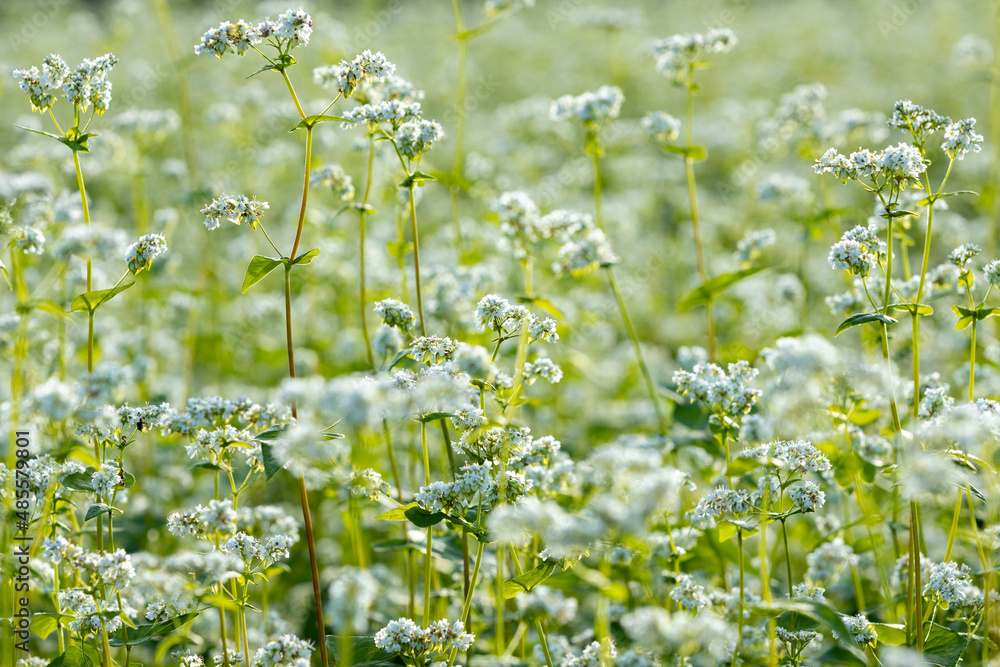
(361, 254)
(427, 554)
(739, 614)
(539, 628)
(699, 252)
(953, 533)
(459, 134)
(972, 363)
(416, 261)
(467, 605)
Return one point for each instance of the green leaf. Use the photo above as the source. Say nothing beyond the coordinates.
(921, 308)
(399, 249)
(897, 213)
(6, 276)
(863, 318)
(96, 510)
(73, 657)
(271, 432)
(415, 514)
(312, 121)
(927, 200)
(44, 623)
(89, 301)
(542, 303)
(79, 481)
(450, 180)
(147, 631)
(943, 646)
(271, 463)
(363, 652)
(696, 153)
(258, 269)
(417, 178)
(434, 416)
(710, 289)
(306, 257)
(525, 582)
(893, 634)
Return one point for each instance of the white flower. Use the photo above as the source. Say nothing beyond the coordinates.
(286, 651)
(234, 209)
(141, 254)
(661, 127)
(395, 313)
(590, 108)
(807, 496)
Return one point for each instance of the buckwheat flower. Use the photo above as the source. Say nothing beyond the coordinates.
(396, 314)
(961, 255)
(750, 247)
(246, 547)
(105, 480)
(591, 108)
(861, 630)
(346, 76)
(828, 560)
(286, 651)
(539, 329)
(37, 84)
(920, 121)
(234, 209)
(218, 516)
(368, 483)
(808, 591)
(721, 501)
(857, 251)
(833, 162)
(992, 272)
(29, 240)
(951, 585)
(676, 54)
(492, 311)
(721, 392)
(215, 41)
(807, 496)
(294, 25)
(446, 636)
(543, 368)
(972, 52)
(935, 402)
(501, 7)
(399, 636)
(875, 449)
(795, 641)
(585, 252)
(416, 137)
(689, 593)
(89, 86)
(433, 349)
(903, 163)
(960, 139)
(141, 254)
(334, 177)
(799, 456)
(661, 127)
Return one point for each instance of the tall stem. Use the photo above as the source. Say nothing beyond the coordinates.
(290, 348)
(699, 253)
(416, 261)
(622, 308)
(459, 135)
(427, 554)
(361, 251)
(739, 614)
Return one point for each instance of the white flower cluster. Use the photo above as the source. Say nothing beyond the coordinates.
(87, 86)
(204, 522)
(403, 636)
(807, 496)
(992, 273)
(960, 139)
(798, 456)
(234, 209)
(951, 585)
(689, 593)
(293, 28)
(368, 483)
(721, 501)
(141, 254)
(750, 247)
(29, 240)
(858, 251)
(393, 112)
(285, 651)
(661, 127)
(543, 368)
(920, 121)
(497, 314)
(826, 561)
(347, 76)
(250, 549)
(416, 137)
(678, 54)
(961, 255)
(501, 7)
(591, 108)
(727, 394)
(861, 630)
(106, 479)
(473, 484)
(901, 164)
(395, 313)
(334, 177)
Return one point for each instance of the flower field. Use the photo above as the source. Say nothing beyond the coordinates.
(560, 333)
